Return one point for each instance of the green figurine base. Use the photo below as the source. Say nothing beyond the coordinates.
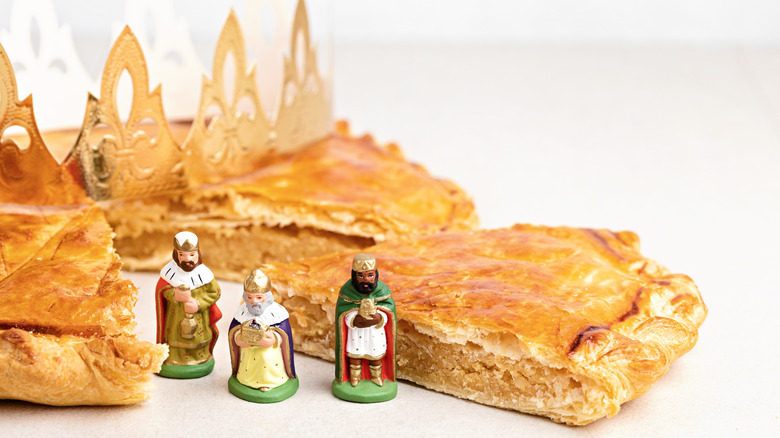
(365, 391)
(187, 371)
(281, 392)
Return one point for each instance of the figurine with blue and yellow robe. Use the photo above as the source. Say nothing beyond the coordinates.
(261, 346)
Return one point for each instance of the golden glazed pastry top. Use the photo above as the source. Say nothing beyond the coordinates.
(59, 274)
(66, 319)
(340, 184)
(581, 299)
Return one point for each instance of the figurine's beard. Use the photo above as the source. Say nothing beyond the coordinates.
(257, 309)
(187, 266)
(366, 288)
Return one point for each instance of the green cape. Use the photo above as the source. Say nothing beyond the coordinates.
(349, 298)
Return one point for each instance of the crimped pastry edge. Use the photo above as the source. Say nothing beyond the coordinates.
(71, 371)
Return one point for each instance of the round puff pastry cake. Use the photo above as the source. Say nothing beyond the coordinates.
(66, 322)
(561, 322)
(340, 193)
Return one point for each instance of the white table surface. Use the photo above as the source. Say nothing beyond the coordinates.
(680, 145)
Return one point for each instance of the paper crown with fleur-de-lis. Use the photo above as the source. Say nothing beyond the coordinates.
(114, 159)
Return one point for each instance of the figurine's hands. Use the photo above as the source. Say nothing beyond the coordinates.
(182, 295)
(241, 343)
(267, 341)
(362, 322)
(191, 305)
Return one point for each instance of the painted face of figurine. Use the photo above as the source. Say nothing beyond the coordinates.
(365, 282)
(257, 302)
(187, 260)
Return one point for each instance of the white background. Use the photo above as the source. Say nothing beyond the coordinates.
(700, 22)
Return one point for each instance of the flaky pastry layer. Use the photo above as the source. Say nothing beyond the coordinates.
(67, 321)
(561, 322)
(74, 370)
(340, 193)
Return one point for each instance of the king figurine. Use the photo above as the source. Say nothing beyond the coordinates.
(261, 346)
(187, 313)
(365, 336)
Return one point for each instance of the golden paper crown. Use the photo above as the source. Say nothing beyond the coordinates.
(26, 175)
(186, 241)
(139, 157)
(257, 282)
(363, 262)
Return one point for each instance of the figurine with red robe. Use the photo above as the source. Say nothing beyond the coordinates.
(365, 336)
(261, 345)
(187, 313)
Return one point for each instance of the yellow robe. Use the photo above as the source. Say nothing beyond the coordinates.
(260, 366)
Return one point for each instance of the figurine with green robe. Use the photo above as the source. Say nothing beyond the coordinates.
(187, 314)
(365, 336)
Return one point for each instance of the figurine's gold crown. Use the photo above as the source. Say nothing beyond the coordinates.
(363, 262)
(257, 282)
(140, 157)
(186, 241)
